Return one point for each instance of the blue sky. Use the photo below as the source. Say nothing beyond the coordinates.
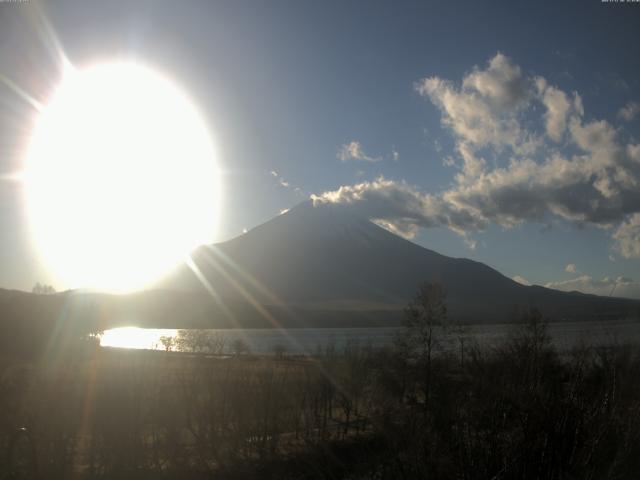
(323, 95)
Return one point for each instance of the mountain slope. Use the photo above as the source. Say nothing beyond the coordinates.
(326, 259)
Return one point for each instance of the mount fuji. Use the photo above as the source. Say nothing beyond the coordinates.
(325, 265)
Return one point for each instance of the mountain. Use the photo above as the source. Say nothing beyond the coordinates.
(312, 266)
(327, 265)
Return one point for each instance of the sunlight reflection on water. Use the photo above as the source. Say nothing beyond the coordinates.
(134, 337)
(564, 335)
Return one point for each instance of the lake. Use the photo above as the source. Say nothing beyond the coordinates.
(565, 335)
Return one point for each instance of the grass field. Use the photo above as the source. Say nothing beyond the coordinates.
(516, 411)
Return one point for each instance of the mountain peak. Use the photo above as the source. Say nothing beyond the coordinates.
(314, 256)
(313, 224)
(324, 212)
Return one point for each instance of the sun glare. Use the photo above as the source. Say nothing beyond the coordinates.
(121, 178)
(134, 337)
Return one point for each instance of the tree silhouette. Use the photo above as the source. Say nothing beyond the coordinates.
(424, 314)
(167, 343)
(43, 289)
(425, 317)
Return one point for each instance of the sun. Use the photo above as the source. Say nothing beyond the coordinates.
(120, 178)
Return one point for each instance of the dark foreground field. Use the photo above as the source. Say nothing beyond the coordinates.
(519, 411)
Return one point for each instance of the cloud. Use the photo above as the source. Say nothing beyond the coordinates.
(398, 206)
(353, 151)
(501, 84)
(405, 229)
(284, 183)
(521, 280)
(470, 243)
(629, 111)
(558, 107)
(536, 179)
(571, 268)
(627, 237)
(524, 152)
(484, 110)
(617, 287)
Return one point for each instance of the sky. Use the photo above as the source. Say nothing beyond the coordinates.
(505, 132)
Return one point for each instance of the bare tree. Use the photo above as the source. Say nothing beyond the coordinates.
(216, 343)
(425, 317)
(167, 342)
(460, 331)
(189, 341)
(426, 313)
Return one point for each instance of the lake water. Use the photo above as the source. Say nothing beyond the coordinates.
(308, 340)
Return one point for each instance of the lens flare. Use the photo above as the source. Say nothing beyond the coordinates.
(121, 178)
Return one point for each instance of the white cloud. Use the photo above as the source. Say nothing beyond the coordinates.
(406, 230)
(284, 183)
(448, 161)
(537, 180)
(353, 151)
(617, 287)
(571, 268)
(485, 110)
(470, 243)
(398, 206)
(627, 237)
(501, 84)
(469, 116)
(524, 153)
(521, 280)
(629, 111)
(558, 107)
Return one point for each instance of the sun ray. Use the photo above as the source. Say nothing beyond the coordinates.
(51, 42)
(48, 35)
(262, 289)
(212, 261)
(249, 278)
(243, 292)
(209, 288)
(30, 99)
